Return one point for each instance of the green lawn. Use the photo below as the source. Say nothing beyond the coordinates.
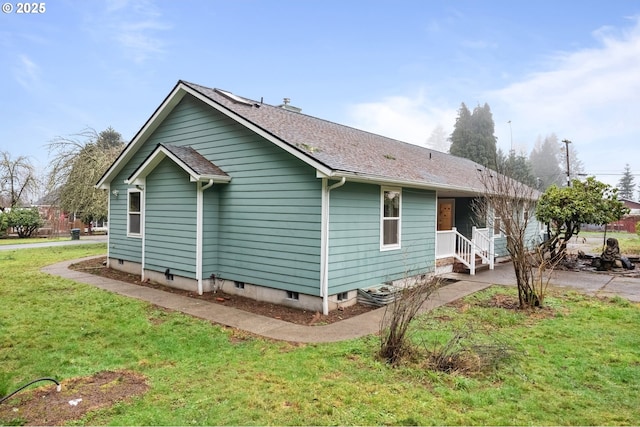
(578, 364)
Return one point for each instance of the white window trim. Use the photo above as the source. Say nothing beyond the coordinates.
(398, 245)
(141, 213)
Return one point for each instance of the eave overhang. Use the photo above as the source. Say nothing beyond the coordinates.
(159, 154)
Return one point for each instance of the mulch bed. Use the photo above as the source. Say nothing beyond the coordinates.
(288, 314)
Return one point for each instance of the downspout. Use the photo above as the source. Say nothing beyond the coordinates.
(108, 223)
(324, 237)
(199, 230)
(143, 225)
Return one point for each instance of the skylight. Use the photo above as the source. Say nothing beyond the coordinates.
(235, 98)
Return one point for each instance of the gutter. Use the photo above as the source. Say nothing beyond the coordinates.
(381, 180)
(324, 238)
(199, 230)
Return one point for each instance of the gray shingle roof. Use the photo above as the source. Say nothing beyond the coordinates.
(343, 148)
(194, 160)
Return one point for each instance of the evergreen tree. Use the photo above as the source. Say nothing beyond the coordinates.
(461, 135)
(626, 185)
(473, 136)
(545, 162)
(516, 166)
(438, 139)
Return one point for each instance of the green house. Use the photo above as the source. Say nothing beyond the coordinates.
(218, 191)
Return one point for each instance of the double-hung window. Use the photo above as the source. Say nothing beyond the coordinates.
(134, 213)
(390, 219)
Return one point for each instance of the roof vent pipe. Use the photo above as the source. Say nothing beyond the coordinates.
(286, 105)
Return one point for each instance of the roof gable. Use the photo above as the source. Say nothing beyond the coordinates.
(188, 159)
(334, 150)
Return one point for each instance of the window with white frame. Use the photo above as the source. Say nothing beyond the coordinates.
(134, 213)
(390, 218)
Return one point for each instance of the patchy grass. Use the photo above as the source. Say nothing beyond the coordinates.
(629, 242)
(577, 363)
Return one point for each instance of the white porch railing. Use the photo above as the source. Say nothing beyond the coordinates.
(450, 243)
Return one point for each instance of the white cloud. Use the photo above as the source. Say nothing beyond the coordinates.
(589, 94)
(27, 73)
(140, 39)
(136, 26)
(408, 118)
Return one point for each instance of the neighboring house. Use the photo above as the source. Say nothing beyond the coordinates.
(629, 221)
(56, 221)
(217, 190)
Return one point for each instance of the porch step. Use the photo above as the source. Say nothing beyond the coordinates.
(459, 267)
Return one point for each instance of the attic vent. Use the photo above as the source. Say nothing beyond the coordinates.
(286, 106)
(235, 98)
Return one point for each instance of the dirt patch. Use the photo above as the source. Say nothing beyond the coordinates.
(507, 302)
(45, 406)
(288, 314)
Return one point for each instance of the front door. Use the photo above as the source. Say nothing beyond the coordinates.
(445, 214)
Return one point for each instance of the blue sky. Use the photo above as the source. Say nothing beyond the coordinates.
(398, 68)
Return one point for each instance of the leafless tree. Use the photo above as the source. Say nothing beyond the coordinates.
(17, 180)
(510, 206)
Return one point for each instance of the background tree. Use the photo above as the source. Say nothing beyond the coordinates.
(473, 136)
(438, 139)
(17, 181)
(24, 221)
(78, 163)
(4, 224)
(626, 185)
(516, 166)
(565, 209)
(545, 162)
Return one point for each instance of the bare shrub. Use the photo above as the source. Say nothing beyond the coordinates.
(542, 266)
(395, 344)
(465, 352)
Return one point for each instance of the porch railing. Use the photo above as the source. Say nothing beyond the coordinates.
(450, 243)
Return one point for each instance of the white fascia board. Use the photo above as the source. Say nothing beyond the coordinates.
(258, 130)
(149, 127)
(158, 156)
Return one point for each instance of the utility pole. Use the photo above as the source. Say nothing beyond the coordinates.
(511, 132)
(566, 143)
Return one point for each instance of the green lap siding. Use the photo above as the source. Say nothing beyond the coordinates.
(355, 258)
(210, 220)
(170, 221)
(261, 228)
(270, 226)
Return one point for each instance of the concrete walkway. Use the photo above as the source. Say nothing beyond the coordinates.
(82, 241)
(355, 327)
(604, 284)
